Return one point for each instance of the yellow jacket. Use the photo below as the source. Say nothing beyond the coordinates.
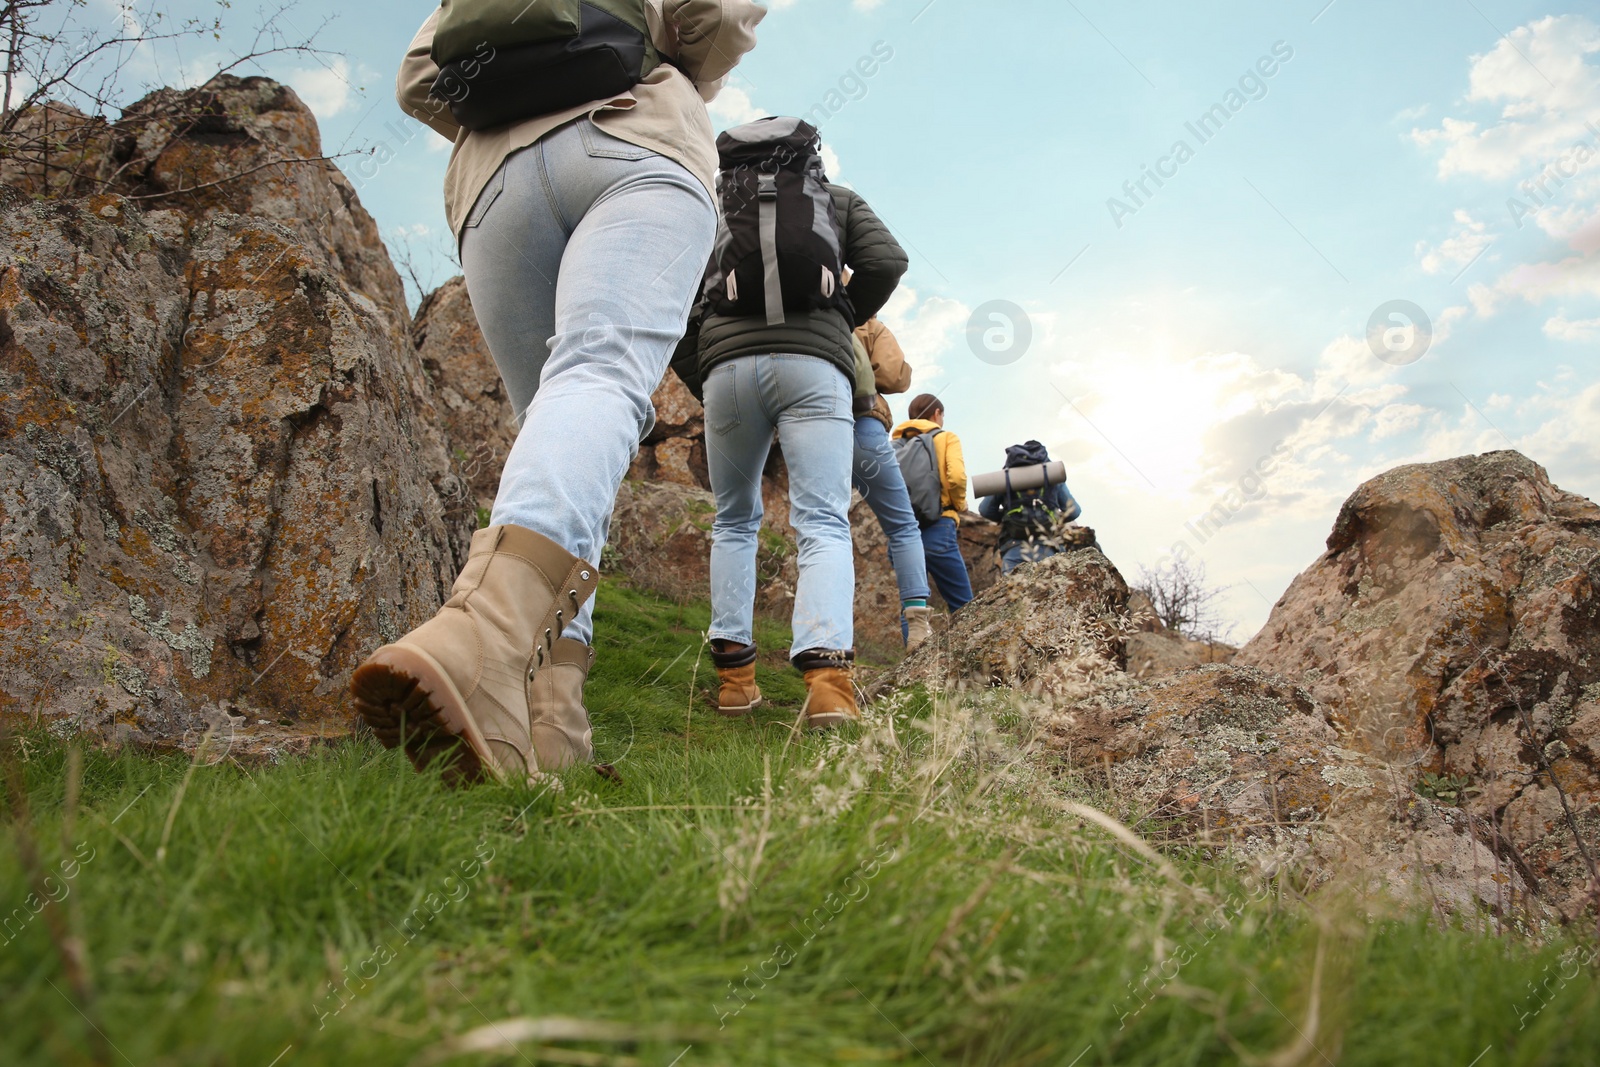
(952, 464)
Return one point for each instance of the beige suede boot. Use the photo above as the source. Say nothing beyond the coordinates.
(919, 627)
(736, 669)
(830, 687)
(466, 684)
(561, 733)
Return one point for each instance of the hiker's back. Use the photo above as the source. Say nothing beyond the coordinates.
(773, 352)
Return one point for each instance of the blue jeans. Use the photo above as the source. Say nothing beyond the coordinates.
(946, 566)
(1017, 553)
(807, 401)
(882, 486)
(582, 257)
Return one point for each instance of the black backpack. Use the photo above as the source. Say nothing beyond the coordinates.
(779, 246)
(501, 61)
(1025, 514)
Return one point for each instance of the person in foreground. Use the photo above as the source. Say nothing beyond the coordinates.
(930, 454)
(882, 368)
(582, 233)
(774, 353)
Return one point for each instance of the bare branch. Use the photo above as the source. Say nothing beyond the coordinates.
(233, 177)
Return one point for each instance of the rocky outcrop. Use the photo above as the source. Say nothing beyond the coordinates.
(473, 409)
(1156, 652)
(220, 482)
(1220, 748)
(1453, 629)
(1236, 758)
(1048, 629)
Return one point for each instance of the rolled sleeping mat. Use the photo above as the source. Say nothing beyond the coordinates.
(1053, 473)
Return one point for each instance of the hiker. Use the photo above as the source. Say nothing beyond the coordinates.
(1030, 519)
(881, 368)
(936, 479)
(769, 350)
(579, 190)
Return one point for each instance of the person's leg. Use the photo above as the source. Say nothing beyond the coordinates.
(1010, 558)
(738, 438)
(946, 566)
(597, 253)
(641, 231)
(511, 253)
(815, 425)
(878, 477)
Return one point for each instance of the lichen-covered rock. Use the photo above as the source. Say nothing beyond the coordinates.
(1045, 629)
(235, 146)
(474, 410)
(220, 486)
(1218, 749)
(1454, 626)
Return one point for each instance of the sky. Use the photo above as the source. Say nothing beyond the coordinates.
(1244, 256)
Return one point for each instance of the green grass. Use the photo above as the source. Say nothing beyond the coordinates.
(965, 918)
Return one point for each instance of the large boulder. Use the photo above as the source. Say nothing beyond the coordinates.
(1453, 627)
(1046, 629)
(473, 407)
(1219, 749)
(220, 482)
(1249, 763)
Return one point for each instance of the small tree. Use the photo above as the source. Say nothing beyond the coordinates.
(1183, 601)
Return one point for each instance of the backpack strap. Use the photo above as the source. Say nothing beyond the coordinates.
(768, 219)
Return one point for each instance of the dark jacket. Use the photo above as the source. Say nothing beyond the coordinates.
(993, 507)
(877, 263)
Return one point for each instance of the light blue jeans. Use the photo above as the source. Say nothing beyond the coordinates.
(582, 257)
(807, 401)
(883, 487)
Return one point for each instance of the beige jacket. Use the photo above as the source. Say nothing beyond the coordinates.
(889, 367)
(665, 113)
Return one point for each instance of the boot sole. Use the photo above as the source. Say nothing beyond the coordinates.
(739, 713)
(829, 720)
(409, 702)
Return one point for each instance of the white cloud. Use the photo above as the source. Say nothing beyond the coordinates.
(1540, 78)
(21, 86)
(327, 90)
(1464, 245)
(927, 330)
(733, 107)
(1542, 142)
(1564, 329)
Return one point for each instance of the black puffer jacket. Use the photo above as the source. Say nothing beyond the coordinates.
(876, 262)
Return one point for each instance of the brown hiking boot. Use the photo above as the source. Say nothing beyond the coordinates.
(472, 683)
(736, 667)
(919, 627)
(560, 723)
(830, 687)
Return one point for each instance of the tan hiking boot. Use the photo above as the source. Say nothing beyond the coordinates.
(830, 687)
(560, 729)
(919, 627)
(736, 667)
(471, 683)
